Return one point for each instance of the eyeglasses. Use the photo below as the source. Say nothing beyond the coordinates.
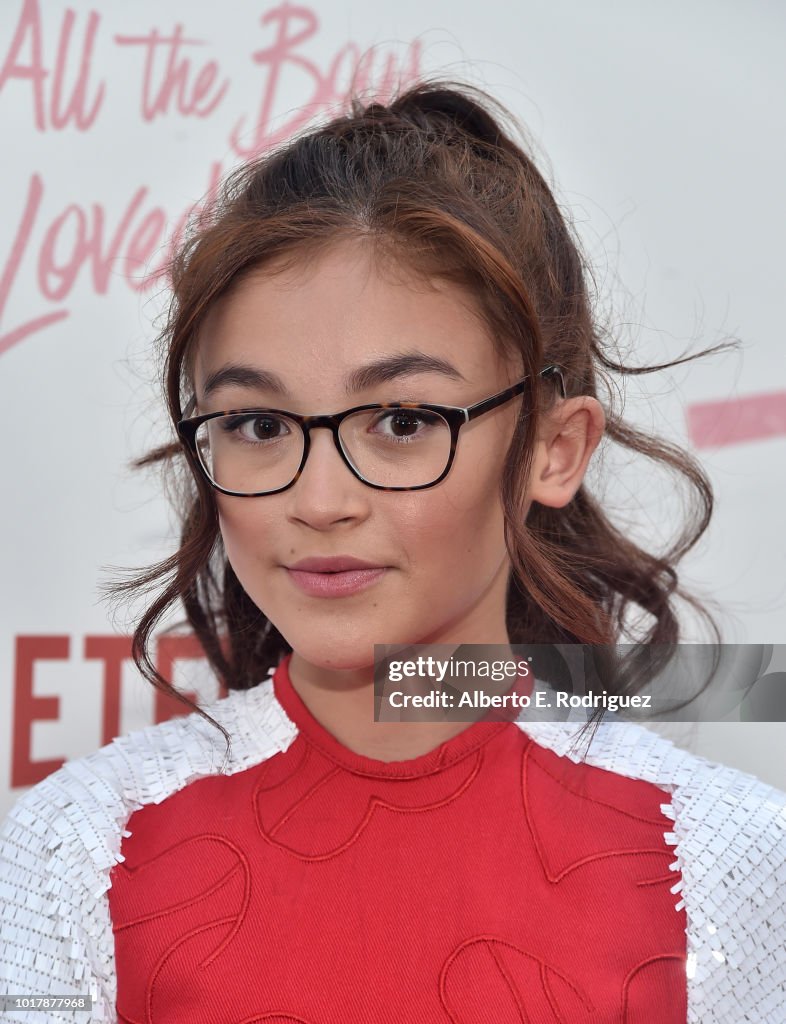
(393, 446)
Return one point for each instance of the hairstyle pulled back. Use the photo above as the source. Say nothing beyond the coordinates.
(436, 180)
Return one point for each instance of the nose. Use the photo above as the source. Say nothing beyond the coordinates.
(327, 491)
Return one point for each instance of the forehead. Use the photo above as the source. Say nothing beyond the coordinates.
(318, 318)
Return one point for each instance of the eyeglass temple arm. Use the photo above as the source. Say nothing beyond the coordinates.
(191, 405)
(556, 371)
(505, 396)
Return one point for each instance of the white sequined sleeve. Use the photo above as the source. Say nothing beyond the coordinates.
(751, 975)
(54, 928)
(63, 837)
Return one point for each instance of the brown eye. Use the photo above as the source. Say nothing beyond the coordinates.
(255, 428)
(402, 424)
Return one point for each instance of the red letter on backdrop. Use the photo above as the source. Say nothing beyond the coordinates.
(169, 650)
(113, 651)
(29, 709)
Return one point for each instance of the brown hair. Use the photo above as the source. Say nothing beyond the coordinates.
(434, 180)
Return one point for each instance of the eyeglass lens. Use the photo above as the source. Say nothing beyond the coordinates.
(253, 453)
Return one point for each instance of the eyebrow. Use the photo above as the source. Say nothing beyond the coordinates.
(395, 367)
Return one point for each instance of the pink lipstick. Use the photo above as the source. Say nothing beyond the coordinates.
(334, 576)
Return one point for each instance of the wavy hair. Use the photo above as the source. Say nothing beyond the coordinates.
(436, 179)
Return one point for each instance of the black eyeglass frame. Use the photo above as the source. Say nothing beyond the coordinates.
(455, 416)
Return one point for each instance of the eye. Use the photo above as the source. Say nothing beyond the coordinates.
(255, 429)
(403, 424)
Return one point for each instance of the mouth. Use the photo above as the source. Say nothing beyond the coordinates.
(334, 582)
(332, 564)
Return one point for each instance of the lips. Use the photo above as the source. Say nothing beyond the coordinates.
(335, 563)
(336, 576)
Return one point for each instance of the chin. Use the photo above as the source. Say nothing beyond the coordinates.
(336, 657)
(331, 649)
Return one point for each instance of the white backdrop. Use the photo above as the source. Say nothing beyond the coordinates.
(660, 124)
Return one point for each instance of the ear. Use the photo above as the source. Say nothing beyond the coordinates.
(568, 435)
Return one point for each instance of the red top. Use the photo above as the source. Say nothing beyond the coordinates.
(489, 881)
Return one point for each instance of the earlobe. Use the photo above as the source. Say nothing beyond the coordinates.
(569, 435)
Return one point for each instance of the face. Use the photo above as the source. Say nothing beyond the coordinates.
(441, 549)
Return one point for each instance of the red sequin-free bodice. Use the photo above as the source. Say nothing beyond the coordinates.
(489, 881)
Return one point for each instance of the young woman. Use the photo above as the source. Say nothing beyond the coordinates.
(383, 368)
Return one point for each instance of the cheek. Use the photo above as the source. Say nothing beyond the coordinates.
(477, 516)
(458, 527)
(243, 530)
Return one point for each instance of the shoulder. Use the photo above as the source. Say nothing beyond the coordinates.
(712, 804)
(637, 752)
(147, 765)
(62, 837)
(728, 831)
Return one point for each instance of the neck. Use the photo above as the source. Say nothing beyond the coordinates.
(343, 702)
